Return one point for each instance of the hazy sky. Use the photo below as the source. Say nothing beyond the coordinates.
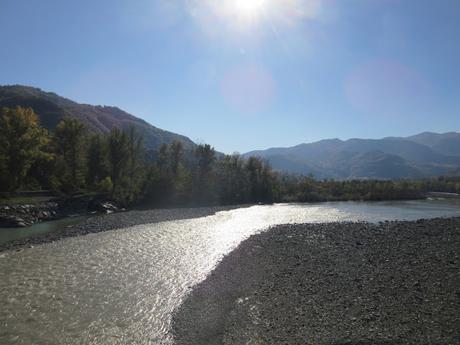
(246, 74)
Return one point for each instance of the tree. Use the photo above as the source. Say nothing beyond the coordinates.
(233, 182)
(261, 180)
(21, 143)
(170, 157)
(205, 156)
(179, 174)
(163, 158)
(176, 151)
(136, 153)
(169, 181)
(70, 140)
(97, 160)
(118, 161)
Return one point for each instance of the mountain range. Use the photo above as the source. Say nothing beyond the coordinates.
(425, 154)
(51, 108)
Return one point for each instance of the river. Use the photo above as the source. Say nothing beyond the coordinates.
(121, 287)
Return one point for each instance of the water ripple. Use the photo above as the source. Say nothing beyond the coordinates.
(121, 287)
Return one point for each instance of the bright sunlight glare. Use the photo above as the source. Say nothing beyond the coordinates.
(249, 7)
(244, 15)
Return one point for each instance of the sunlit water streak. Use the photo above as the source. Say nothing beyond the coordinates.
(121, 287)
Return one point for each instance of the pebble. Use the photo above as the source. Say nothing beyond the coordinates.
(384, 290)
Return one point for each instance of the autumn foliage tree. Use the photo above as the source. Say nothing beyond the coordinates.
(21, 143)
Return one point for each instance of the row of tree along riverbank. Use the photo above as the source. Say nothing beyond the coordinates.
(72, 160)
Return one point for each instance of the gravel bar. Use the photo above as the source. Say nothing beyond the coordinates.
(117, 221)
(336, 284)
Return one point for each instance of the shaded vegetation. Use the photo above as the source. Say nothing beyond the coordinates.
(72, 160)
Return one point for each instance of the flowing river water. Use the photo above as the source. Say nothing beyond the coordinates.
(122, 286)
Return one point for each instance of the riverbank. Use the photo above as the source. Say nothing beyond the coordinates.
(339, 283)
(116, 221)
(22, 212)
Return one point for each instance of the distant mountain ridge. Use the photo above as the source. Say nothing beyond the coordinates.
(99, 119)
(421, 155)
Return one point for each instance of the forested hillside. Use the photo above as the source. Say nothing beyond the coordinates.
(51, 109)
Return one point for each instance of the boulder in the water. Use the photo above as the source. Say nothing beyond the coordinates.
(102, 206)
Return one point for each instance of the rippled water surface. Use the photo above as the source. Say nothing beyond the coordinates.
(120, 287)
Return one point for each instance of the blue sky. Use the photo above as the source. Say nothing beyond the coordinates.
(246, 75)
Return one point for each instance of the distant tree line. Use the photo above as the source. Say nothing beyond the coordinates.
(73, 160)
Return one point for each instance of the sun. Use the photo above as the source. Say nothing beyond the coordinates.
(235, 15)
(249, 8)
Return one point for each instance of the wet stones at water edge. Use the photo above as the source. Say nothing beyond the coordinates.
(26, 215)
(102, 206)
(16, 216)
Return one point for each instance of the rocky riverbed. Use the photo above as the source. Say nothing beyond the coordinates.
(25, 215)
(339, 283)
(113, 221)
